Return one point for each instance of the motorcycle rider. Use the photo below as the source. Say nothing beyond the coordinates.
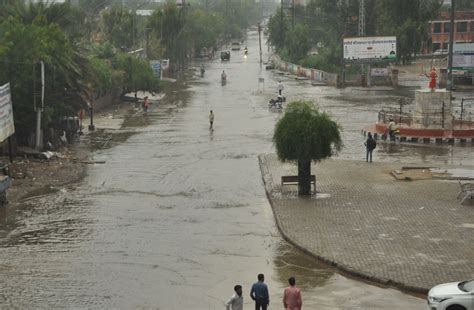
(202, 69)
(223, 76)
(392, 127)
(246, 51)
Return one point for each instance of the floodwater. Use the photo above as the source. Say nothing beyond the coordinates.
(178, 214)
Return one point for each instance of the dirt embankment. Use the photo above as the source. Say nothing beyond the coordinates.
(32, 176)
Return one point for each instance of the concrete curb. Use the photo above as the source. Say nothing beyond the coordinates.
(341, 266)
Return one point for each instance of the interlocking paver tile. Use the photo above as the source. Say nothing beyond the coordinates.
(411, 233)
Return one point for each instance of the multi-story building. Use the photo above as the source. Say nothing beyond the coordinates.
(441, 27)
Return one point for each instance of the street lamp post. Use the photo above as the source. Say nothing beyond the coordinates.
(91, 112)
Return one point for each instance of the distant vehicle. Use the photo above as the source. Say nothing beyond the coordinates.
(235, 46)
(440, 52)
(452, 296)
(225, 55)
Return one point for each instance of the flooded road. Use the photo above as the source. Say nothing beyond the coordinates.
(178, 214)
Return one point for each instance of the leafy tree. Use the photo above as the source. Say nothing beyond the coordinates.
(168, 26)
(23, 46)
(277, 30)
(137, 72)
(119, 26)
(204, 28)
(297, 42)
(304, 134)
(408, 20)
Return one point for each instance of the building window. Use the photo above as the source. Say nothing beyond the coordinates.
(461, 27)
(446, 45)
(437, 28)
(436, 46)
(447, 27)
(472, 25)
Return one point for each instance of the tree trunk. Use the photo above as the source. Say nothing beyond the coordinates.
(304, 180)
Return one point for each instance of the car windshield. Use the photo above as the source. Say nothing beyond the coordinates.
(466, 286)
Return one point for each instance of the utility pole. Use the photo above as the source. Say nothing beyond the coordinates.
(450, 82)
(361, 34)
(260, 42)
(39, 109)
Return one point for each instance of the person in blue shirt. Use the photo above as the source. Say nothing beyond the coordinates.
(259, 293)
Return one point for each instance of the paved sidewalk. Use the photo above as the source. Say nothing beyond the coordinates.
(410, 234)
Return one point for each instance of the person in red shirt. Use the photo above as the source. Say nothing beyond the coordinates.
(292, 296)
(432, 77)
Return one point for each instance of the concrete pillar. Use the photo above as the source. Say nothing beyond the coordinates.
(394, 77)
(443, 78)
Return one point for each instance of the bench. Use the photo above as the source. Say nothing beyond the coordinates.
(466, 192)
(293, 180)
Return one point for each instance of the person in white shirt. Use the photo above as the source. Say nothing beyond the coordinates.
(236, 302)
(280, 88)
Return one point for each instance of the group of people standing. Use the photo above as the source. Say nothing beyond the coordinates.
(259, 294)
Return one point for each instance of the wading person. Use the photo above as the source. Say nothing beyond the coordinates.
(292, 296)
(211, 120)
(280, 88)
(370, 145)
(259, 293)
(146, 104)
(236, 302)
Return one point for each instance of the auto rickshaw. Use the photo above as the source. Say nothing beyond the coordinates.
(225, 55)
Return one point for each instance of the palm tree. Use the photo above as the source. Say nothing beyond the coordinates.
(304, 134)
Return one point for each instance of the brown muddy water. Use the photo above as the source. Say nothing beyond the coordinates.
(178, 214)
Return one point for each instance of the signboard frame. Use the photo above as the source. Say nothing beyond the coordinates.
(367, 50)
(463, 56)
(7, 124)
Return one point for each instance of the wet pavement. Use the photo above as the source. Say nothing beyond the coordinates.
(178, 214)
(413, 234)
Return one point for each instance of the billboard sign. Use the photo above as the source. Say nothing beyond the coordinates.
(370, 49)
(7, 126)
(156, 67)
(463, 56)
(379, 72)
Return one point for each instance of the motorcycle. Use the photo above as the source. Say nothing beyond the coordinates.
(276, 103)
(392, 134)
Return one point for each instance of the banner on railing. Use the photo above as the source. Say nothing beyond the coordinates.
(7, 126)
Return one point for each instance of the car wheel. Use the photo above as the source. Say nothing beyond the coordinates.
(455, 307)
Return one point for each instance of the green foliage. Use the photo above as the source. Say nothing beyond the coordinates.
(297, 42)
(168, 26)
(329, 21)
(406, 19)
(306, 134)
(204, 28)
(137, 72)
(103, 73)
(119, 26)
(23, 46)
(277, 29)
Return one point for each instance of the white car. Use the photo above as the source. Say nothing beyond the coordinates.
(452, 296)
(441, 52)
